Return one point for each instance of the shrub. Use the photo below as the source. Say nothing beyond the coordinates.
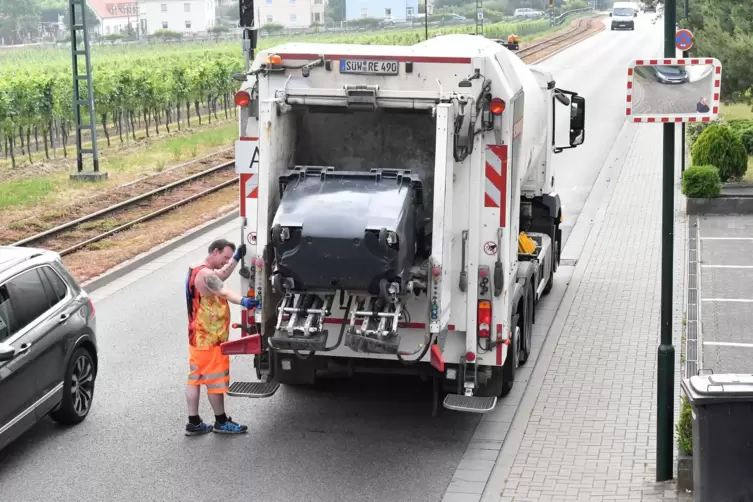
(718, 146)
(701, 182)
(685, 427)
(738, 125)
(693, 130)
(746, 136)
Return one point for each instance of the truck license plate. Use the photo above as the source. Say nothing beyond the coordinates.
(369, 67)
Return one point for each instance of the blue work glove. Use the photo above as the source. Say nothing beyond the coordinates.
(250, 303)
(240, 252)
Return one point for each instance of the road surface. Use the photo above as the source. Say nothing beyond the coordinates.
(351, 440)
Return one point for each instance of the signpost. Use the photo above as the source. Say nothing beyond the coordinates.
(683, 42)
(665, 396)
(685, 100)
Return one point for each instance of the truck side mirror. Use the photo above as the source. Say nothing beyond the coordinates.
(577, 120)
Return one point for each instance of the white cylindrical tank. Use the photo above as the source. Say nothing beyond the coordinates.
(512, 75)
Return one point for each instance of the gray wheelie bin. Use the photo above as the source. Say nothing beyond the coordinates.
(722, 436)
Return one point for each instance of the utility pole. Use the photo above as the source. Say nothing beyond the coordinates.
(80, 35)
(479, 17)
(246, 23)
(426, 19)
(666, 354)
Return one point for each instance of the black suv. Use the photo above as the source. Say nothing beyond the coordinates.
(48, 347)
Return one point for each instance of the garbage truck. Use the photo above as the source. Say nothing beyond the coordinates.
(399, 209)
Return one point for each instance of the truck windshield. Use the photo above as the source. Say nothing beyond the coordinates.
(623, 12)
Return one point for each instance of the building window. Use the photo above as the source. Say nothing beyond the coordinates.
(164, 25)
(317, 2)
(387, 12)
(317, 17)
(269, 2)
(163, 7)
(409, 12)
(292, 1)
(364, 12)
(186, 7)
(293, 19)
(188, 25)
(270, 19)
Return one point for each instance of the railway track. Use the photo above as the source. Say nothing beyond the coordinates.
(165, 193)
(91, 228)
(535, 49)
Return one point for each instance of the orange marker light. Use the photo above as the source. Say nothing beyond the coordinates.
(274, 59)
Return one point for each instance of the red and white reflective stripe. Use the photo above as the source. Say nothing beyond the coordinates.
(249, 190)
(666, 120)
(249, 184)
(495, 186)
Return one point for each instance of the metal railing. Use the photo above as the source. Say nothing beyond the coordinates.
(558, 20)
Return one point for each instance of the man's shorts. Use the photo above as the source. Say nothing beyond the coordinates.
(209, 367)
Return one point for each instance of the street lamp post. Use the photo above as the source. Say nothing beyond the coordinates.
(666, 352)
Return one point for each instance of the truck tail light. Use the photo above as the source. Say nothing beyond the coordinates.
(497, 106)
(484, 319)
(242, 98)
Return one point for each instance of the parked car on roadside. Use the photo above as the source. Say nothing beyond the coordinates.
(48, 346)
(528, 13)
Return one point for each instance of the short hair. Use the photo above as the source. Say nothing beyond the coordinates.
(220, 245)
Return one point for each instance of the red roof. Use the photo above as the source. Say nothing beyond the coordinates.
(108, 9)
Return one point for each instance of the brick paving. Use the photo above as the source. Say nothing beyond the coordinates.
(585, 426)
(592, 431)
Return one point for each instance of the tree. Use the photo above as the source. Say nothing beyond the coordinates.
(335, 10)
(22, 18)
(724, 29)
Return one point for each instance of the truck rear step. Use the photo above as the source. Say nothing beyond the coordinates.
(469, 404)
(253, 389)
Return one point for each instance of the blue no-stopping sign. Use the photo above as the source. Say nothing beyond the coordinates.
(683, 40)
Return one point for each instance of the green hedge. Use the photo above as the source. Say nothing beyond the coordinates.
(719, 146)
(684, 427)
(746, 136)
(701, 182)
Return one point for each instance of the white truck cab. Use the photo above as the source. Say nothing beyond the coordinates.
(623, 15)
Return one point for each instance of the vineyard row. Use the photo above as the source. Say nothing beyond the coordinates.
(147, 87)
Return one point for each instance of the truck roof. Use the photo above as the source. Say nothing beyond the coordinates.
(441, 49)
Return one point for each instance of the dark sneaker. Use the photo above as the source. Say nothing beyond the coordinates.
(197, 430)
(229, 427)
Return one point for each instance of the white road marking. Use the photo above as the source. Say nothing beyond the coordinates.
(730, 344)
(726, 238)
(731, 300)
(726, 266)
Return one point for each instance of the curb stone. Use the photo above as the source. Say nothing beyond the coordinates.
(157, 251)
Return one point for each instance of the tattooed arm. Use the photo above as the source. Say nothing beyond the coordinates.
(208, 283)
(223, 273)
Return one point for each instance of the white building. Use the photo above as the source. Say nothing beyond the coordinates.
(114, 17)
(186, 16)
(291, 13)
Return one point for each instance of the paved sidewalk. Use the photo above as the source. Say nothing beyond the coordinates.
(585, 428)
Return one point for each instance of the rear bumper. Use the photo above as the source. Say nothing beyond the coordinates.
(616, 25)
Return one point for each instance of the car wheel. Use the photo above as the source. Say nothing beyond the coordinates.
(78, 389)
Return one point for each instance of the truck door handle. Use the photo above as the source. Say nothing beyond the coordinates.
(63, 318)
(23, 349)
